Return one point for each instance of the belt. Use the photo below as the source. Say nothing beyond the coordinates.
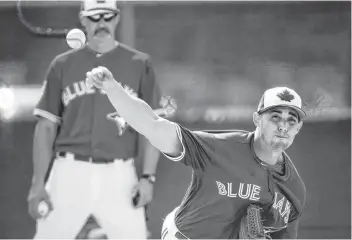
(85, 158)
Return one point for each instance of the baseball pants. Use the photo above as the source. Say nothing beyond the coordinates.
(78, 189)
(169, 230)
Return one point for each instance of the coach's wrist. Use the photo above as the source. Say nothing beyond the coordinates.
(149, 177)
(38, 182)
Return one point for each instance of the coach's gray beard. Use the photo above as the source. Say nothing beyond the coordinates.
(277, 146)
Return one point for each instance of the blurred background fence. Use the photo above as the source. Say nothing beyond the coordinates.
(215, 59)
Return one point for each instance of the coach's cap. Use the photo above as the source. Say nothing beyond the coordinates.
(93, 7)
(281, 97)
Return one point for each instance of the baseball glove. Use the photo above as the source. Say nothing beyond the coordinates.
(251, 224)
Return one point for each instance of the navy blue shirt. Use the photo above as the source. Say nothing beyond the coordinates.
(88, 122)
(227, 177)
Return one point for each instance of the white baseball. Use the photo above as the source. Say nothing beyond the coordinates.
(75, 38)
(43, 208)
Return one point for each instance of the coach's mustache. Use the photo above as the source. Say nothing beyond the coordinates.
(101, 29)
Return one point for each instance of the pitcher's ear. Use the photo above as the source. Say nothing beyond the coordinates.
(256, 119)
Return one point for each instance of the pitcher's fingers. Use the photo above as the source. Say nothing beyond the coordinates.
(97, 72)
(102, 69)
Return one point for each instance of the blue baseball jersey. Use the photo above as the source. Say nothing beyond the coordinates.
(227, 177)
(88, 123)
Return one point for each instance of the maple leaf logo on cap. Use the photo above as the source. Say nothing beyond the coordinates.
(286, 96)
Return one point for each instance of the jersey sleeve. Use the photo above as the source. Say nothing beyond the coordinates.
(198, 148)
(149, 89)
(50, 105)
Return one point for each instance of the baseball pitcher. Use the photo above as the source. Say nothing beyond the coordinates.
(243, 185)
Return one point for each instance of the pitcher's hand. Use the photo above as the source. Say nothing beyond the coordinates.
(100, 77)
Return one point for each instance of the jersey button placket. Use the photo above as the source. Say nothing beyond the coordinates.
(95, 99)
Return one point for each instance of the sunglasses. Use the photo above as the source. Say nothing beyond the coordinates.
(106, 16)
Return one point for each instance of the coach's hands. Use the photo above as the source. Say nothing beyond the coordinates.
(37, 194)
(100, 77)
(144, 192)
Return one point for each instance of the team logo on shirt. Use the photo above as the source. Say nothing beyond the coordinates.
(279, 211)
(244, 190)
(120, 122)
(278, 214)
(168, 107)
(281, 207)
(77, 90)
(82, 88)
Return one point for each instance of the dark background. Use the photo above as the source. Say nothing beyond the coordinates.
(209, 57)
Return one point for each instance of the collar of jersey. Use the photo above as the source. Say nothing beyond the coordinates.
(102, 54)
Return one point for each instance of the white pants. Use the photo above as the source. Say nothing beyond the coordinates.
(78, 189)
(169, 228)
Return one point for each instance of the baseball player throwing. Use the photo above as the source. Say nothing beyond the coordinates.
(231, 169)
(93, 147)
